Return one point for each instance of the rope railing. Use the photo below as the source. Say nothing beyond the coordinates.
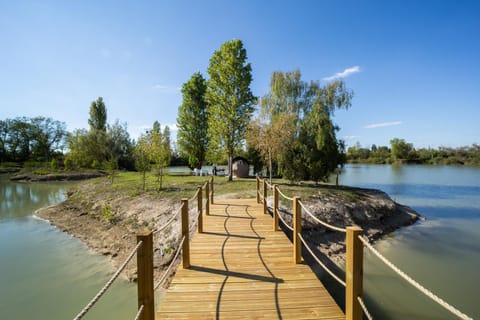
(283, 195)
(100, 293)
(194, 196)
(414, 283)
(270, 186)
(139, 313)
(174, 216)
(323, 223)
(364, 308)
(260, 195)
(166, 272)
(314, 256)
(284, 222)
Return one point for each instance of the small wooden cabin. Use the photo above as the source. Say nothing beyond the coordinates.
(240, 167)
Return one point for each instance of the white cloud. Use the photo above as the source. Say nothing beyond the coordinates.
(345, 73)
(166, 88)
(351, 137)
(383, 124)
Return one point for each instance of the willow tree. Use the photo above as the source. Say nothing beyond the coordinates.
(230, 100)
(192, 138)
(310, 149)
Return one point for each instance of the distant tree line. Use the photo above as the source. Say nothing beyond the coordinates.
(288, 132)
(401, 151)
(35, 139)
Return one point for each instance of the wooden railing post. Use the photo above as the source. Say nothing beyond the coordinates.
(297, 229)
(207, 199)
(199, 210)
(211, 191)
(258, 189)
(354, 274)
(275, 208)
(265, 194)
(145, 275)
(185, 233)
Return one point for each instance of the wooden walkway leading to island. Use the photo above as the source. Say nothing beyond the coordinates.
(242, 269)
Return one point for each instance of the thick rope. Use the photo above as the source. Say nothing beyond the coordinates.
(108, 284)
(334, 276)
(165, 274)
(364, 308)
(283, 195)
(169, 221)
(329, 226)
(283, 221)
(194, 196)
(414, 283)
(139, 313)
(268, 184)
(260, 195)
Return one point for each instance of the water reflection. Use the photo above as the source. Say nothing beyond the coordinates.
(45, 273)
(442, 253)
(22, 199)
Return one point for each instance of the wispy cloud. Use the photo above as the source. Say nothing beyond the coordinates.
(383, 124)
(165, 88)
(345, 73)
(351, 137)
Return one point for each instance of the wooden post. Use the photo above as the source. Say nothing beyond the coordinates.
(211, 191)
(199, 210)
(185, 233)
(297, 229)
(354, 274)
(258, 189)
(145, 275)
(265, 194)
(275, 208)
(207, 199)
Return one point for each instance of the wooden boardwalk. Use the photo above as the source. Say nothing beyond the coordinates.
(242, 269)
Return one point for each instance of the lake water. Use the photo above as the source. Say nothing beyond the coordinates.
(442, 253)
(45, 273)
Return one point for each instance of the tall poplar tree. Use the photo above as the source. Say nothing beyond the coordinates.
(98, 116)
(192, 138)
(229, 98)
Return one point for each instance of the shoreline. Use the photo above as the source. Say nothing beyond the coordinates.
(108, 223)
(57, 176)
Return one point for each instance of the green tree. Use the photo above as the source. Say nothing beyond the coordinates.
(229, 98)
(49, 136)
(119, 148)
(142, 153)
(192, 123)
(299, 131)
(98, 116)
(400, 149)
(160, 152)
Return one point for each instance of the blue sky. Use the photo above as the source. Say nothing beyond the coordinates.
(414, 65)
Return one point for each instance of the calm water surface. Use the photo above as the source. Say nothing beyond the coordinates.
(442, 253)
(45, 273)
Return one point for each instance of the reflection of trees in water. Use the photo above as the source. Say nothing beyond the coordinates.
(22, 199)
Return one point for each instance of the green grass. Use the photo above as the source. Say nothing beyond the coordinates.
(178, 187)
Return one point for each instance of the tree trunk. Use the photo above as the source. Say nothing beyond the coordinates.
(144, 173)
(230, 166)
(270, 164)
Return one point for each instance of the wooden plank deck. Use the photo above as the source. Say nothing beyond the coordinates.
(242, 269)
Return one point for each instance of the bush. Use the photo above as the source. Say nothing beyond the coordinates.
(68, 164)
(95, 164)
(54, 164)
